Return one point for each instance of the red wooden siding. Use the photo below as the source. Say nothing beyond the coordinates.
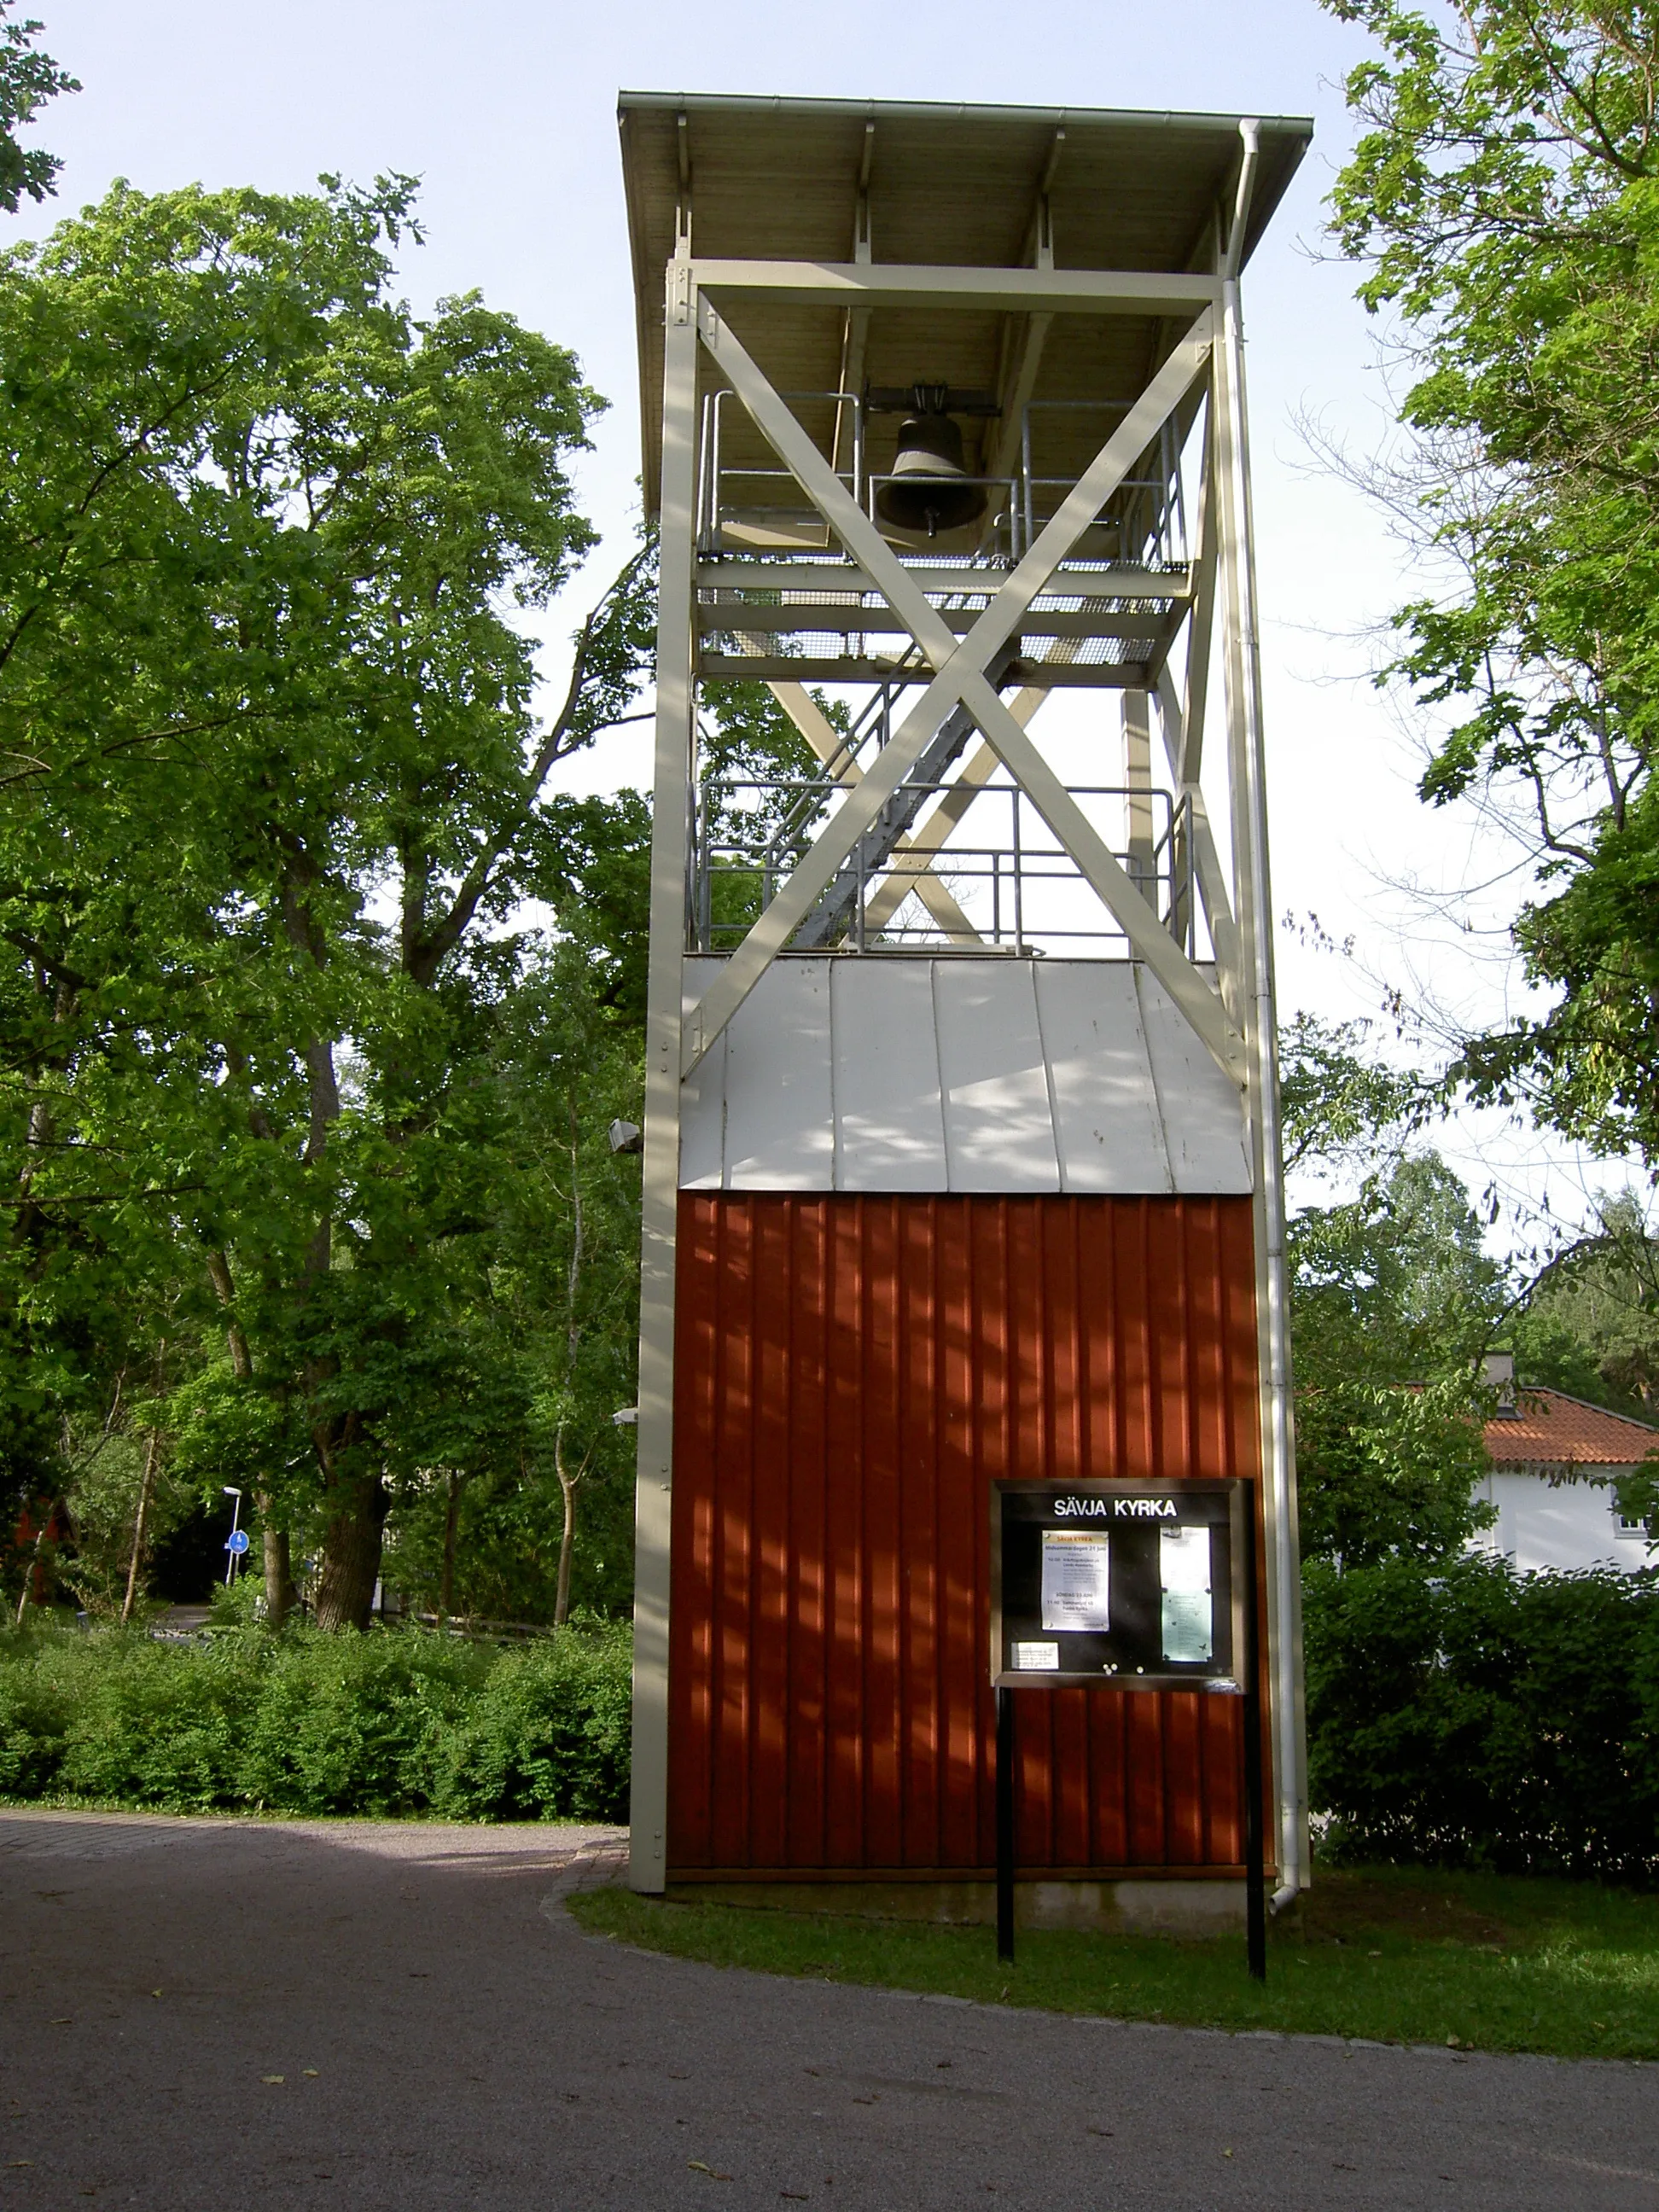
(851, 1374)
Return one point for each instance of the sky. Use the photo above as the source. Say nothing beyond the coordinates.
(505, 110)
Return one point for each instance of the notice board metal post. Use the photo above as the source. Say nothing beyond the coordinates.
(1256, 1897)
(1006, 1824)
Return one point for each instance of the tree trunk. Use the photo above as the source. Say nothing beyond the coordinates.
(281, 1596)
(567, 1545)
(152, 1454)
(32, 1575)
(569, 1484)
(447, 1580)
(351, 1552)
(146, 1487)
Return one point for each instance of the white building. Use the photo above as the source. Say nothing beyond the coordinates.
(1553, 1462)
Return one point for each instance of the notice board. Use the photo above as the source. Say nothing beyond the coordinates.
(1138, 1585)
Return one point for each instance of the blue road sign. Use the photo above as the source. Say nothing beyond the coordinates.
(237, 1541)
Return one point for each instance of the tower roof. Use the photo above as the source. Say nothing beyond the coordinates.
(950, 186)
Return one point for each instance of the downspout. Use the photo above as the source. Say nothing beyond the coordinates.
(1278, 1437)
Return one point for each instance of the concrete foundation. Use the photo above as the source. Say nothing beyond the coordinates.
(1139, 1908)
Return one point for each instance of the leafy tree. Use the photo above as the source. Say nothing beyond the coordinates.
(1591, 1325)
(1339, 1104)
(1506, 192)
(27, 81)
(1392, 1301)
(492, 1476)
(276, 800)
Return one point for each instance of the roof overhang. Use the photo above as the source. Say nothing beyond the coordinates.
(953, 186)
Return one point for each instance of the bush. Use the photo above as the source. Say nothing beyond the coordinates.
(355, 1723)
(548, 1737)
(394, 1722)
(1475, 1717)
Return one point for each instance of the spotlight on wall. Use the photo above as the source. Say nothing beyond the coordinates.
(626, 1136)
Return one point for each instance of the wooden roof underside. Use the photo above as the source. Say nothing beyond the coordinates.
(948, 185)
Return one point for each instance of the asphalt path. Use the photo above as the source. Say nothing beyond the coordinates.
(208, 2014)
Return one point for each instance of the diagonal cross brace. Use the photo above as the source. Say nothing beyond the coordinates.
(960, 677)
(1109, 881)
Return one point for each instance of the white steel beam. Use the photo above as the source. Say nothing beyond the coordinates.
(1248, 775)
(659, 1194)
(960, 676)
(754, 574)
(876, 557)
(1207, 861)
(1148, 939)
(1019, 291)
(1138, 779)
(1200, 632)
(850, 619)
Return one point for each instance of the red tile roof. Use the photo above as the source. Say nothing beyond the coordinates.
(1554, 1429)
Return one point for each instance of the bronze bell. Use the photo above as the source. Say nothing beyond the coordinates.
(929, 489)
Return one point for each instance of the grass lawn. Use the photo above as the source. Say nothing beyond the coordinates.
(1399, 1955)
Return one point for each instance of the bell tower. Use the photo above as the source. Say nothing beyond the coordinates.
(962, 1156)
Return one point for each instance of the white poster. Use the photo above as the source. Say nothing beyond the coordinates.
(1076, 1581)
(1189, 1608)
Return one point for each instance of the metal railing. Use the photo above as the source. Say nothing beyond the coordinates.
(1008, 886)
(1150, 528)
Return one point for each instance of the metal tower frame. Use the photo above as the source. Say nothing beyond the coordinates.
(955, 662)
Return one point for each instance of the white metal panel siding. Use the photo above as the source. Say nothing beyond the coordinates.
(1202, 1111)
(959, 1073)
(998, 1111)
(1106, 1119)
(890, 1115)
(702, 1097)
(779, 1103)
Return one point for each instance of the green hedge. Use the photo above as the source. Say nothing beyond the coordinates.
(1467, 1717)
(392, 1722)
(1474, 1716)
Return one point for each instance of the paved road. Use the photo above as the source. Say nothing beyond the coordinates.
(447, 2038)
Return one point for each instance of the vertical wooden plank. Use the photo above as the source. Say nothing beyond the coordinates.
(965, 1510)
(773, 1314)
(734, 1448)
(854, 1722)
(887, 1805)
(1144, 1764)
(1208, 1411)
(916, 1330)
(1184, 1777)
(1136, 1459)
(692, 1631)
(1070, 1787)
(1166, 1340)
(1224, 1811)
(808, 1563)
(1109, 1755)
